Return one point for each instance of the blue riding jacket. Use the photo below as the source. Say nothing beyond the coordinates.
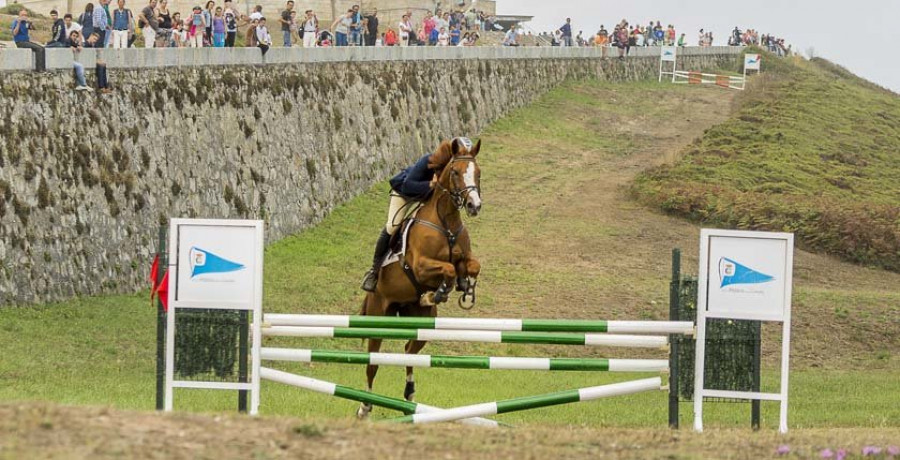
(414, 182)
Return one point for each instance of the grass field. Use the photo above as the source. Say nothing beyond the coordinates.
(812, 150)
(559, 238)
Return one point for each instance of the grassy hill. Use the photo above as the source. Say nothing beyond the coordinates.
(812, 149)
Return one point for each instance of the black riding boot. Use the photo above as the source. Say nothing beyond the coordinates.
(381, 250)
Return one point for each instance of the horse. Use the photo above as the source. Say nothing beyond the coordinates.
(438, 255)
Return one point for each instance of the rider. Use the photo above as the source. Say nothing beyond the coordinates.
(409, 190)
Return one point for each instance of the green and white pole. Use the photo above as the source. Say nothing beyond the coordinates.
(431, 335)
(465, 362)
(340, 391)
(483, 324)
(533, 402)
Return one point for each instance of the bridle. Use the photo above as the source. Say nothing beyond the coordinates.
(459, 196)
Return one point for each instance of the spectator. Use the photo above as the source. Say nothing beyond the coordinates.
(207, 17)
(682, 40)
(341, 27)
(355, 28)
(455, 35)
(443, 38)
(257, 13)
(566, 32)
(74, 42)
(58, 37)
(231, 24)
(406, 30)
(101, 24)
(464, 40)
(20, 28)
(218, 28)
(263, 39)
(121, 26)
(250, 40)
(197, 26)
(286, 21)
(94, 41)
(510, 38)
(179, 34)
(390, 37)
(433, 37)
(72, 27)
(372, 27)
(87, 20)
(164, 18)
(670, 35)
(602, 40)
(149, 24)
(310, 29)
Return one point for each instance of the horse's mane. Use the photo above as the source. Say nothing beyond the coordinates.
(441, 157)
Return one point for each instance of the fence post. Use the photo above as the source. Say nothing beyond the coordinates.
(161, 321)
(242, 357)
(674, 298)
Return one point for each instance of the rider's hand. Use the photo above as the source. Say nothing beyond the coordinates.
(434, 181)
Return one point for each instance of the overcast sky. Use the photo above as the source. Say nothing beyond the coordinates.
(870, 52)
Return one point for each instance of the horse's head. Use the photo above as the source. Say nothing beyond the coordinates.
(461, 177)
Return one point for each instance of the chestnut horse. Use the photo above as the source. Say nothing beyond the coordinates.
(438, 254)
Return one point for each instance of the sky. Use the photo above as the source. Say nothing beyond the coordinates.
(823, 25)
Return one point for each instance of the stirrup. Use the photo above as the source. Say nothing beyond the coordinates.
(370, 281)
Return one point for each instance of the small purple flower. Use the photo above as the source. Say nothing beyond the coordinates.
(841, 454)
(871, 450)
(893, 450)
(826, 453)
(783, 449)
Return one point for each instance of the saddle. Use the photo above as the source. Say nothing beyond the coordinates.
(399, 242)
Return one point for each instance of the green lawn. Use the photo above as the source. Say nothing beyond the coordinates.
(101, 351)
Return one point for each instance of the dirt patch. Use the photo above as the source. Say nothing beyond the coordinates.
(47, 431)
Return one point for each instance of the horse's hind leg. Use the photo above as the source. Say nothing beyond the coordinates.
(365, 409)
(412, 347)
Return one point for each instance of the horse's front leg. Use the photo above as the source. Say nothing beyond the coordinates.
(430, 269)
(412, 347)
(466, 280)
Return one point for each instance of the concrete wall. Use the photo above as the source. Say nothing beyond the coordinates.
(86, 178)
(139, 58)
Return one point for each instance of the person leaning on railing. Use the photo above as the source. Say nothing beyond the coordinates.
(20, 28)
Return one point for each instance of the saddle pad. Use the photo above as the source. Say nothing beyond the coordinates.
(394, 256)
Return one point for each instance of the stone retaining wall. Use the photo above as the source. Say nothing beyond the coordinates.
(85, 179)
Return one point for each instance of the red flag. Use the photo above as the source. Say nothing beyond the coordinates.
(163, 291)
(154, 272)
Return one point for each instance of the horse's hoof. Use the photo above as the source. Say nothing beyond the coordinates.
(466, 302)
(427, 299)
(363, 412)
(410, 391)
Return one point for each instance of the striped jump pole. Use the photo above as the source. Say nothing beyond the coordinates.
(483, 324)
(431, 335)
(465, 362)
(533, 402)
(321, 386)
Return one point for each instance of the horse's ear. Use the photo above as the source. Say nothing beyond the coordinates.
(476, 149)
(455, 146)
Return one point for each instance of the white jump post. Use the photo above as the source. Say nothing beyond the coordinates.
(215, 264)
(744, 276)
(668, 54)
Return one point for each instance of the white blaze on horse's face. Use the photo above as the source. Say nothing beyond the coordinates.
(473, 202)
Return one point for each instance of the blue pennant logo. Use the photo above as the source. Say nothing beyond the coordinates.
(732, 272)
(752, 61)
(203, 262)
(668, 53)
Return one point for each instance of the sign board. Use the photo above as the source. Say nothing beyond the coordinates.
(215, 264)
(744, 276)
(752, 62)
(668, 53)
